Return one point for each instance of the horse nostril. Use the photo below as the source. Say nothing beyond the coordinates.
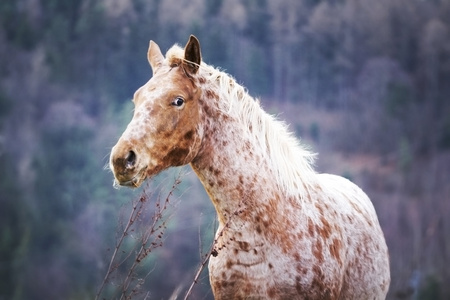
(130, 160)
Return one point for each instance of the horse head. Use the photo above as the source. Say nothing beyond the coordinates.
(165, 130)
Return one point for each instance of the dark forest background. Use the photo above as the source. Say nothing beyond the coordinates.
(366, 83)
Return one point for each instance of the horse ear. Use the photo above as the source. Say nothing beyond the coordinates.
(154, 56)
(192, 55)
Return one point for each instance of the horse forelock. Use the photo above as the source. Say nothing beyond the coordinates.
(174, 55)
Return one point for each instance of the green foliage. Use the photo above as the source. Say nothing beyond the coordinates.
(398, 99)
(62, 12)
(430, 289)
(258, 22)
(67, 175)
(16, 25)
(348, 175)
(64, 161)
(68, 34)
(444, 141)
(5, 106)
(14, 231)
(405, 155)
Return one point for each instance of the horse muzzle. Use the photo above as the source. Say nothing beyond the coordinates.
(126, 168)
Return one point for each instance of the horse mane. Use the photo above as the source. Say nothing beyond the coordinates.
(292, 160)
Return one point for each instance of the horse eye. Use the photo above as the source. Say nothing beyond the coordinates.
(178, 102)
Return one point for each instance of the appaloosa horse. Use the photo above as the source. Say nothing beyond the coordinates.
(285, 232)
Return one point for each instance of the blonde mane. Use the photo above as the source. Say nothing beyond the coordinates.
(292, 160)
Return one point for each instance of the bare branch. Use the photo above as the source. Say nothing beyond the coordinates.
(149, 235)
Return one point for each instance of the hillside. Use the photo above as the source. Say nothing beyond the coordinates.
(366, 84)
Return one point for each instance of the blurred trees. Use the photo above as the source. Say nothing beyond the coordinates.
(68, 68)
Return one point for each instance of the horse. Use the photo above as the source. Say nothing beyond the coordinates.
(284, 230)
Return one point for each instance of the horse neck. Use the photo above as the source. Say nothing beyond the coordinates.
(234, 168)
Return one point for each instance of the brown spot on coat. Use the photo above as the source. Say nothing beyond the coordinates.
(229, 264)
(298, 286)
(177, 156)
(325, 231)
(335, 249)
(271, 292)
(244, 246)
(319, 208)
(258, 229)
(188, 135)
(211, 94)
(310, 227)
(318, 251)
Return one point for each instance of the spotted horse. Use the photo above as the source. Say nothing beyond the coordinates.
(285, 231)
